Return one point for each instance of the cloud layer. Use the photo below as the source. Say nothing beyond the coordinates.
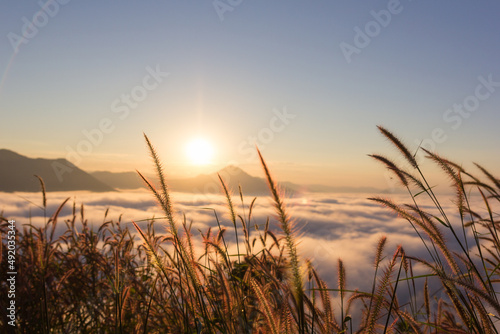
(331, 226)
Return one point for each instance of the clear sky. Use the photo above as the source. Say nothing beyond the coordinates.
(306, 81)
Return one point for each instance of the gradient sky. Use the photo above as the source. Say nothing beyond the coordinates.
(233, 68)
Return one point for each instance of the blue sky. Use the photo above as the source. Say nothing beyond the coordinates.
(251, 71)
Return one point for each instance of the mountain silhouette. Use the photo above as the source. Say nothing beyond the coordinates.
(233, 178)
(17, 174)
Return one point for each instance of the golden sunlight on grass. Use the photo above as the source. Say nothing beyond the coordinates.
(199, 151)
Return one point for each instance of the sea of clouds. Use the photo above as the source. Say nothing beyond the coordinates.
(330, 226)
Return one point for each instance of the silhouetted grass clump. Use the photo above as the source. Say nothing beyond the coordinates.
(110, 281)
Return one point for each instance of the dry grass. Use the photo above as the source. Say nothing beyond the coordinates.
(117, 280)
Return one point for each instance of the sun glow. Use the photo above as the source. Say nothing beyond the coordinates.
(199, 151)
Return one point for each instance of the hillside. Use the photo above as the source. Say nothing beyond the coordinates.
(17, 174)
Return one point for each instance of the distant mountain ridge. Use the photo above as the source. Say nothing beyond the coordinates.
(17, 174)
(204, 183)
(233, 177)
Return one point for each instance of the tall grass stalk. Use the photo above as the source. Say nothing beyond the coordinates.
(469, 286)
(287, 228)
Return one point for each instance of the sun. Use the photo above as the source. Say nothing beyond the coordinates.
(199, 151)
